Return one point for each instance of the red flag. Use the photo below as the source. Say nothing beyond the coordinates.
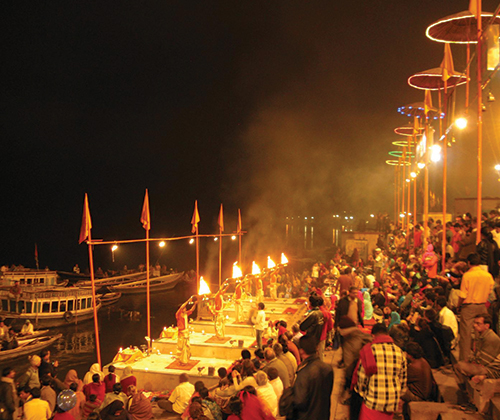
(196, 218)
(86, 221)
(221, 219)
(238, 229)
(428, 101)
(145, 217)
(447, 68)
(36, 255)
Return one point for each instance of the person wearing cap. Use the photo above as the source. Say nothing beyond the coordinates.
(30, 377)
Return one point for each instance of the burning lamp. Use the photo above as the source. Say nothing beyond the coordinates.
(236, 271)
(255, 269)
(284, 259)
(204, 289)
(191, 241)
(233, 237)
(113, 249)
(161, 244)
(270, 263)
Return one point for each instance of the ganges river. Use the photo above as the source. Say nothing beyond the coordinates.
(120, 325)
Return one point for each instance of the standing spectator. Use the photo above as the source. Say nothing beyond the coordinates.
(260, 323)
(380, 378)
(310, 396)
(179, 399)
(296, 334)
(313, 324)
(350, 306)
(35, 408)
(476, 286)
(30, 377)
(8, 394)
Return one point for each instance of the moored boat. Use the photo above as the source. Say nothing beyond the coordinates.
(156, 284)
(110, 298)
(32, 278)
(28, 347)
(50, 307)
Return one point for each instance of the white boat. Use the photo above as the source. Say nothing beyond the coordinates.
(49, 307)
(28, 277)
(156, 284)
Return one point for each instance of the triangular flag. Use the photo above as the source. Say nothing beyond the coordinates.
(196, 218)
(86, 221)
(145, 217)
(428, 101)
(447, 68)
(238, 229)
(221, 219)
(473, 7)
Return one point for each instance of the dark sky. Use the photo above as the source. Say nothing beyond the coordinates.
(274, 107)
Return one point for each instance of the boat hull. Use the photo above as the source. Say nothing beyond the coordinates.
(156, 284)
(48, 320)
(28, 348)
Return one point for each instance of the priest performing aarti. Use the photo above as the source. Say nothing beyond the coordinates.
(237, 298)
(183, 346)
(217, 309)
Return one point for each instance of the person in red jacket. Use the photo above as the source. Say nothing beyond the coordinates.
(96, 387)
(327, 327)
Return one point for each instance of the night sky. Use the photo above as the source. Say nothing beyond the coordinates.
(276, 107)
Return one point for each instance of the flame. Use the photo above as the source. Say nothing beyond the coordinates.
(270, 263)
(255, 269)
(284, 260)
(204, 289)
(236, 271)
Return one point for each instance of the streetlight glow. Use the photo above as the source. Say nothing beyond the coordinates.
(461, 123)
(435, 153)
(114, 248)
(497, 167)
(421, 165)
(161, 244)
(413, 174)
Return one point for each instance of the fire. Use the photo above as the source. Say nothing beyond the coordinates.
(255, 269)
(204, 289)
(270, 263)
(284, 260)
(236, 271)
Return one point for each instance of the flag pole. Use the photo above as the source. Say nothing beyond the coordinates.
(240, 233)
(85, 234)
(146, 224)
(221, 228)
(479, 124)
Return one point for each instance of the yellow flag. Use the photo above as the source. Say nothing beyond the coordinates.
(447, 69)
(221, 219)
(86, 221)
(473, 7)
(428, 101)
(196, 218)
(145, 217)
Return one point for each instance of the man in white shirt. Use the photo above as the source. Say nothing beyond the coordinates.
(260, 324)
(447, 317)
(179, 399)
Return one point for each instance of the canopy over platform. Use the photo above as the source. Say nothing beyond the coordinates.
(433, 79)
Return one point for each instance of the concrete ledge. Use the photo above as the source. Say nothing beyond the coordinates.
(483, 392)
(446, 381)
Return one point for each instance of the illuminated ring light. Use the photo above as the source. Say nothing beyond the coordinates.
(399, 153)
(407, 130)
(433, 79)
(400, 143)
(418, 110)
(394, 162)
(460, 28)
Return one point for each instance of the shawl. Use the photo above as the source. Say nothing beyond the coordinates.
(87, 379)
(368, 306)
(127, 372)
(72, 377)
(140, 407)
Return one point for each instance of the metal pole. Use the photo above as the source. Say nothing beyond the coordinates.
(94, 303)
(479, 124)
(148, 296)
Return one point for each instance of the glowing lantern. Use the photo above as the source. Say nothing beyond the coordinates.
(284, 260)
(255, 269)
(204, 289)
(270, 263)
(236, 271)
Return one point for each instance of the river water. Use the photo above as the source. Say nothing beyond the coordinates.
(120, 325)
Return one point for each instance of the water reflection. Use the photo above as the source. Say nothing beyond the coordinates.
(120, 325)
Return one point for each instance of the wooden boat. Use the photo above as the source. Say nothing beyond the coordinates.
(111, 281)
(110, 298)
(29, 347)
(156, 284)
(29, 337)
(50, 307)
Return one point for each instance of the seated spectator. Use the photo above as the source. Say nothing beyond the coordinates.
(77, 410)
(95, 368)
(278, 350)
(247, 406)
(138, 405)
(90, 405)
(246, 377)
(95, 387)
(272, 361)
(179, 399)
(47, 393)
(72, 377)
(116, 394)
(419, 375)
(111, 378)
(484, 359)
(115, 411)
(36, 408)
(275, 381)
(265, 392)
(128, 379)
(423, 335)
(214, 408)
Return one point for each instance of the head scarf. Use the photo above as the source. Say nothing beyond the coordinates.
(127, 372)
